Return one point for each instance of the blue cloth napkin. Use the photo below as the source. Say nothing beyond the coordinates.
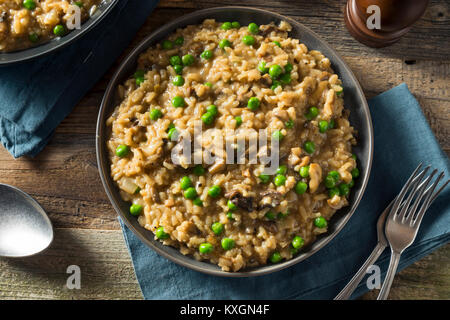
(403, 139)
(37, 95)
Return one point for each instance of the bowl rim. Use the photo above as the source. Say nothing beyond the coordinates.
(19, 56)
(104, 173)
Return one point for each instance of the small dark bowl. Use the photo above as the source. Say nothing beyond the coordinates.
(9, 58)
(354, 100)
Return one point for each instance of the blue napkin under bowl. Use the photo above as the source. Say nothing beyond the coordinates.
(36, 96)
(403, 139)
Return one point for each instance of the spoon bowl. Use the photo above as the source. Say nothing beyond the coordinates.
(25, 228)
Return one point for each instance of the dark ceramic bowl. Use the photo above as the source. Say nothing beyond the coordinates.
(354, 100)
(57, 43)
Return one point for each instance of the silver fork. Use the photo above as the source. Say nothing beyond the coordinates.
(380, 247)
(404, 219)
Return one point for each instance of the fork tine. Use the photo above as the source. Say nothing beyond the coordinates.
(421, 194)
(416, 222)
(439, 191)
(414, 190)
(403, 191)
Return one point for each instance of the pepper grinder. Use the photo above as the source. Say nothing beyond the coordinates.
(385, 24)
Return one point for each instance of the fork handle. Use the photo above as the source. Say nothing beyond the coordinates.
(386, 287)
(351, 286)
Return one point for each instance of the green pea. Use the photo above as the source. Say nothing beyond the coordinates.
(33, 37)
(248, 40)
(238, 120)
(231, 205)
(279, 180)
(59, 30)
(175, 60)
(275, 71)
(298, 242)
(294, 251)
(214, 191)
(301, 187)
(139, 81)
(277, 135)
(282, 215)
(179, 41)
(344, 189)
(185, 183)
(224, 43)
(309, 147)
(288, 67)
(332, 124)
(199, 170)
(282, 169)
(161, 234)
(178, 102)
(270, 215)
(167, 44)
(188, 59)
(323, 126)
(198, 202)
(212, 109)
(235, 24)
(190, 193)
(208, 84)
(171, 126)
(275, 84)
(205, 248)
(79, 4)
(355, 173)
(226, 26)
(29, 4)
(330, 182)
(155, 114)
(304, 172)
(178, 81)
(285, 78)
(139, 74)
(207, 54)
(351, 183)
(312, 113)
(335, 175)
(354, 156)
(253, 103)
(265, 178)
(340, 93)
(253, 28)
(277, 43)
(262, 67)
(289, 124)
(178, 69)
(135, 209)
(320, 222)
(217, 228)
(275, 257)
(333, 192)
(138, 189)
(207, 118)
(122, 150)
(172, 134)
(227, 243)
(230, 215)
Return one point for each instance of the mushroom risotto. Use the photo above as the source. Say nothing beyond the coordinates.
(233, 78)
(26, 23)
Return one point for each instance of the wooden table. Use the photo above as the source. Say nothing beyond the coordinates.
(64, 178)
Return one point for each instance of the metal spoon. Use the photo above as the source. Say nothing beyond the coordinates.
(25, 228)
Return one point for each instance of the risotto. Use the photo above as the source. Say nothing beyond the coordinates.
(233, 79)
(26, 23)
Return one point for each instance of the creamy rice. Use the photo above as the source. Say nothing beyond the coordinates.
(26, 24)
(265, 219)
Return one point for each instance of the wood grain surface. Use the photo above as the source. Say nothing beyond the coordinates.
(64, 177)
